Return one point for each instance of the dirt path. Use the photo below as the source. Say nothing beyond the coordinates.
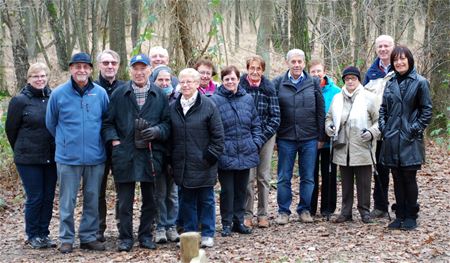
(295, 242)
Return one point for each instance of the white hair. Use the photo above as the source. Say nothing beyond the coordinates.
(384, 37)
(159, 50)
(295, 52)
(189, 72)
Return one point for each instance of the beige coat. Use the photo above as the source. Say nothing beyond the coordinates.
(363, 115)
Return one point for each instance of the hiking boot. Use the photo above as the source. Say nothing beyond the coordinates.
(66, 248)
(147, 243)
(94, 245)
(125, 245)
(377, 213)
(160, 236)
(342, 219)
(282, 219)
(226, 231)
(366, 219)
(263, 222)
(37, 242)
(100, 236)
(248, 222)
(172, 234)
(396, 224)
(241, 229)
(48, 242)
(207, 242)
(409, 224)
(305, 217)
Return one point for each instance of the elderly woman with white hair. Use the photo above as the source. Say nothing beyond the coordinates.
(197, 142)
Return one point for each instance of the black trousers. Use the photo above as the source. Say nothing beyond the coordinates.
(233, 191)
(327, 188)
(102, 207)
(380, 193)
(125, 192)
(406, 193)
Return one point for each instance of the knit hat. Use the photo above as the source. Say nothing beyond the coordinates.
(141, 58)
(158, 69)
(351, 71)
(81, 57)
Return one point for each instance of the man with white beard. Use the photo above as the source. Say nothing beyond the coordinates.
(74, 117)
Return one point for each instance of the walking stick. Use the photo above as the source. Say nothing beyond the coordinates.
(330, 169)
(375, 174)
(152, 165)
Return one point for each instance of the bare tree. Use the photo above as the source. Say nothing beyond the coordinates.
(116, 12)
(135, 9)
(264, 32)
(61, 43)
(184, 26)
(299, 26)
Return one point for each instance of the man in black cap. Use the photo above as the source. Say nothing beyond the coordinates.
(137, 126)
(74, 117)
(108, 62)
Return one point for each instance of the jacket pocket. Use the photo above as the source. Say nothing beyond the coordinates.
(121, 161)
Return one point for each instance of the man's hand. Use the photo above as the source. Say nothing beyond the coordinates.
(115, 143)
(150, 134)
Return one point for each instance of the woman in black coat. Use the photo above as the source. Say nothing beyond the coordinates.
(34, 151)
(405, 112)
(197, 142)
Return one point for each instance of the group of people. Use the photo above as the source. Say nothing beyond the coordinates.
(177, 136)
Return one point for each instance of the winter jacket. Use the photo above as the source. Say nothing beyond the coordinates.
(376, 86)
(403, 119)
(328, 92)
(266, 102)
(242, 129)
(363, 115)
(109, 87)
(195, 135)
(25, 127)
(374, 72)
(130, 164)
(75, 121)
(302, 110)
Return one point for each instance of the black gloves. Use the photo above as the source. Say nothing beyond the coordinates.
(139, 125)
(150, 134)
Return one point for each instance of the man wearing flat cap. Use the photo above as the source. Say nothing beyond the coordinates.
(74, 117)
(137, 126)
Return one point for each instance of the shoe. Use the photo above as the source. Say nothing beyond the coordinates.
(377, 213)
(37, 243)
(94, 245)
(100, 236)
(125, 245)
(160, 236)
(241, 229)
(207, 242)
(409, 224)
(305, 217)
(342, 219)
(366, 219)
(48, 242)
(147, 243)
(263, 222)
(172, 234)
(226, 231)
(396, 224)
(248, 222)
(66, 248)
(282, 219)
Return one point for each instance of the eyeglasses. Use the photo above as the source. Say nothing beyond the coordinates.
(188, 82)
(352, 78)
(207, 73)
(106, 63)
(38, 76)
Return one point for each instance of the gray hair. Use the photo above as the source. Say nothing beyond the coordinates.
(159, 50)
(110, 52)
(384, 37)
(189, 72)
(295, 52)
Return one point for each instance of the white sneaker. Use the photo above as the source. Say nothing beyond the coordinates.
(282, 219)
(207, 242)
(160, 236)
(305, 217)
(172, 234)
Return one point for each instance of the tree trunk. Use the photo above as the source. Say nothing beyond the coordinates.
(299, 26)
(3, 83)
(135, 9)
(237, 28)
(12, 18)
(184, 25)
(116, 10)
(60, 39)
(94, 27)
(29, 27)
(264, 32)
(358, 33)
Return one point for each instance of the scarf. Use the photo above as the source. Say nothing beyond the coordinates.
(253, 84)
(186, 104)
(358, 111)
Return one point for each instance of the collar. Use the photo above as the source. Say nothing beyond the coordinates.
(293, 80)
(384, 68)
(252, 83)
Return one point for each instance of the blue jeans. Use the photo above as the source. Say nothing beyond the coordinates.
(287, 151)
(190, 198)
(167, 201)
(69, 178)
(39, 182)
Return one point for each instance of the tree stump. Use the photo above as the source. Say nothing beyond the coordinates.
(189, 243)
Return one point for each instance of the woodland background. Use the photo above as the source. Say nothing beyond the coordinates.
(341, 32)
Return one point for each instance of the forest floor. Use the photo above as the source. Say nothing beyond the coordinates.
(320, 241)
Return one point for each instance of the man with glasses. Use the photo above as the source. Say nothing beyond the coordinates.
(108, 62)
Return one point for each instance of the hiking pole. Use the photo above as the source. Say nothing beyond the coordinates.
(376, 175)
(330, 169)
(152, 165)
